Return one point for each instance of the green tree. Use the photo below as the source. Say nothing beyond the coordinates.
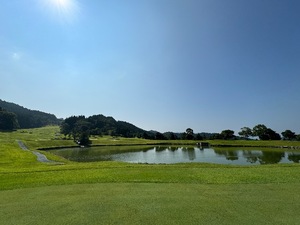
(270, 134)
(77, 127)
(245, 132)
(189, 134)
(259, 130)
(159, 136)
(199, 137)
(227, 134)
(170, 136)
(81, 132)
(265, 133)
(288, 135)
(65, 129)
(8, 120)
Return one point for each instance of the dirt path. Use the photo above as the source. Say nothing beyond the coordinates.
(40, 157)
(22, 145)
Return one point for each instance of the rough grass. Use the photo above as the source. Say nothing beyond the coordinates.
(121, 193)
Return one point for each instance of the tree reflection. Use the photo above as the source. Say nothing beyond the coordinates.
(229, 155)
(294, 157)
(190, 152)
(160, 148)
(251, 156)
(270, 157)
(173, 149)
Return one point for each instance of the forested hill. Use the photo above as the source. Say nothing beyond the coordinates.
(100, 125)
(27, 118)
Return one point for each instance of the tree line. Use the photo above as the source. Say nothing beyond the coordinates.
(79, 128)
(260, 131)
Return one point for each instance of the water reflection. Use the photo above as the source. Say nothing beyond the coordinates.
(229, 155)
(294, 157)
(271, 157)
(252, 156)
(264, 157)
(171, 154)
(189, 153)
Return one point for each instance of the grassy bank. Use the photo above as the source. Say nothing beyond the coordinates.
(120, 193)
(49, 137)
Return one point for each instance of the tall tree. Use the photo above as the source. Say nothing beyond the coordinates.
(77, 127)
(227, 134)
(245, 132)
(8, 120)
(288, 135)
(189, 133)
(270, 135)
(259, 130)
(265, 133)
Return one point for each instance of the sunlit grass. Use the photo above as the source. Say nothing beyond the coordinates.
(115, 192)
(144, 203)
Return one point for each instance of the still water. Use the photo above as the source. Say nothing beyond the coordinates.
(166, 154)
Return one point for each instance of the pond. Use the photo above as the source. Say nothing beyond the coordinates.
(168, 155)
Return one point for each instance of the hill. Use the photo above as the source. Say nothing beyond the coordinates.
(29, 118)
(100, 125)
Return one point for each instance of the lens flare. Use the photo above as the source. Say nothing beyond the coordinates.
(62, 10)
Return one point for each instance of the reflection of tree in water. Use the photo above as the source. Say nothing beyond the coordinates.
(294, 157)
(80, 155)
(252, 156)
(270, 157)
(229, 155)
(190, 152)
(160, 148)
(173, 149)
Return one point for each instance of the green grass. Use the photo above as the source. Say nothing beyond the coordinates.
(49, 137)
(120, 193)
(120, 173)
(128, 203)
(255, 143)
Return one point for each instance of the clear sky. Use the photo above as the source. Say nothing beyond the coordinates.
(164, 65)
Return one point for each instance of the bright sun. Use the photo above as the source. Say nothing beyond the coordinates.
(63, 10)
(61, 3)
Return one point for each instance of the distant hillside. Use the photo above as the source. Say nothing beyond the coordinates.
(77, 126)
(29, 118)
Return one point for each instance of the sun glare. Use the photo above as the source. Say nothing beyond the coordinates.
(63, 10)
(62, 4)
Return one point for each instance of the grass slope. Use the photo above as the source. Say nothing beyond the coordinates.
(121, 193)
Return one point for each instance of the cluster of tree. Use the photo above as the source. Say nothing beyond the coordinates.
(8, 120)
(265, 133)
(27, 118)
(260, 131)
(80, 128)
(187, 135)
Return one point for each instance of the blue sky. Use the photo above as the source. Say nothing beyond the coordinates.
(164, 65)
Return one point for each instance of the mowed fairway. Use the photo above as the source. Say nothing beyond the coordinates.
(130, 203)
(121, 193)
